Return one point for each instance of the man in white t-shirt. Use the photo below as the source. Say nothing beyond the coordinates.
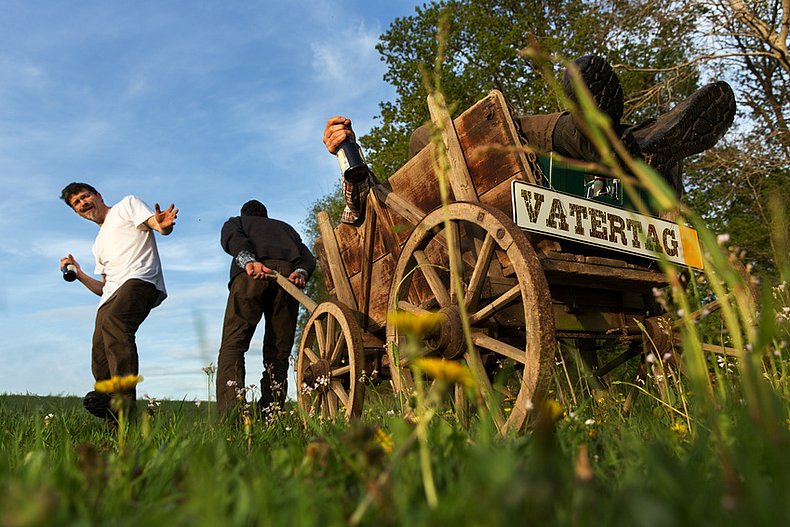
(131, 281)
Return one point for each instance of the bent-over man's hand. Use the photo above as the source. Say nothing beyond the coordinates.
(337, 130)
(257, 271)
(298, 279)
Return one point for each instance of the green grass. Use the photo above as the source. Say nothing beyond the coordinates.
(592, 466)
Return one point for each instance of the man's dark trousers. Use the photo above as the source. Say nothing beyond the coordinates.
(248, 300)
(114, 347)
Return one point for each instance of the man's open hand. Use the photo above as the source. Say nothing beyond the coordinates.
(257, 271)
(165, 218)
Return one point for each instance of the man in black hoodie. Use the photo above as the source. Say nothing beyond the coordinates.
(260, 245)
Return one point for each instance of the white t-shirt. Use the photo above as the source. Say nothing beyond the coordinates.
(125, 248)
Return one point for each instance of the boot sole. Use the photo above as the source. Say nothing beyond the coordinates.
(695, 125)
(603, 84)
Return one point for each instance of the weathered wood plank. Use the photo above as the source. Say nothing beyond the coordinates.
(458, 175)
(381, 279)
(308, 303)
(343, 289)
(606, 276)
(371, 221)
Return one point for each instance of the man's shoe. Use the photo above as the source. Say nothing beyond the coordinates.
(691, 127)
(98, 404)
(602, 81)
(272, 397)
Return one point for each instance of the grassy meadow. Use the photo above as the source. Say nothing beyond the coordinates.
(692, 448)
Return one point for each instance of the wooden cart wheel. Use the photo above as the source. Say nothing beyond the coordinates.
(505, 296)
(330, 360)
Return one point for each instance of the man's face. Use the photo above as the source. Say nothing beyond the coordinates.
(89, 205)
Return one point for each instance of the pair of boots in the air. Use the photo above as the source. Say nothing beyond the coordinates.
(691, 127)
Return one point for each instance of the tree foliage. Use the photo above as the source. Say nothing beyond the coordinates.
(736, 188)
(483, 48)
(662, 49)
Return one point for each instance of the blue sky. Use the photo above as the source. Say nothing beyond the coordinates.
(204, 104)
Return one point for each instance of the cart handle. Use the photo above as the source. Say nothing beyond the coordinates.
(308, 303)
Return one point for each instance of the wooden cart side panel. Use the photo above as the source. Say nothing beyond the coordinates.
(492, 151)
(351, 240)
(383, 270)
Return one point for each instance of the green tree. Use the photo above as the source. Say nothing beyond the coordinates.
(482, 53)
(733, 188)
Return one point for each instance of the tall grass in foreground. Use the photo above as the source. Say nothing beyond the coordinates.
(705, 440)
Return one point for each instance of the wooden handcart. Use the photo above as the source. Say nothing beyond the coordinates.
(522, 291)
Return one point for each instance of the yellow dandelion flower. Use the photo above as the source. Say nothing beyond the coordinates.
(418, 324)
(451, 372)
(553, 410)
(118, 383)
(679, 428)
(384, 440)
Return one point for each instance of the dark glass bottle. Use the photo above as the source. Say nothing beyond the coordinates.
(69, 272)
(352, 163)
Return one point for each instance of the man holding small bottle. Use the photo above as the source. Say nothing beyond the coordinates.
(131, 282)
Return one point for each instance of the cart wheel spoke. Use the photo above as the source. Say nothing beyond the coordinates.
(499, 347)
(411, 308)
(339, 347)
(460, 402)
(340, 392)
(487, 391)
(456, 266)
(324, 406)
(479, 273)
(320, 337)
(432, 277)
(343, 370)
(330, 336)
(310, 355)
(331, 404)
(501, 302)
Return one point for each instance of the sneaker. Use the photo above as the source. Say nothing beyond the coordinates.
(689, 128)
(602, 81)
(98, 404)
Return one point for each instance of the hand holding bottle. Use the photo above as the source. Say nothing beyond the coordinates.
(69, 267)
(338, 129)
(340, 140)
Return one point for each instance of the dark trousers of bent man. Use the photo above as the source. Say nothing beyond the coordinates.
(248, 300)
(114, 347)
